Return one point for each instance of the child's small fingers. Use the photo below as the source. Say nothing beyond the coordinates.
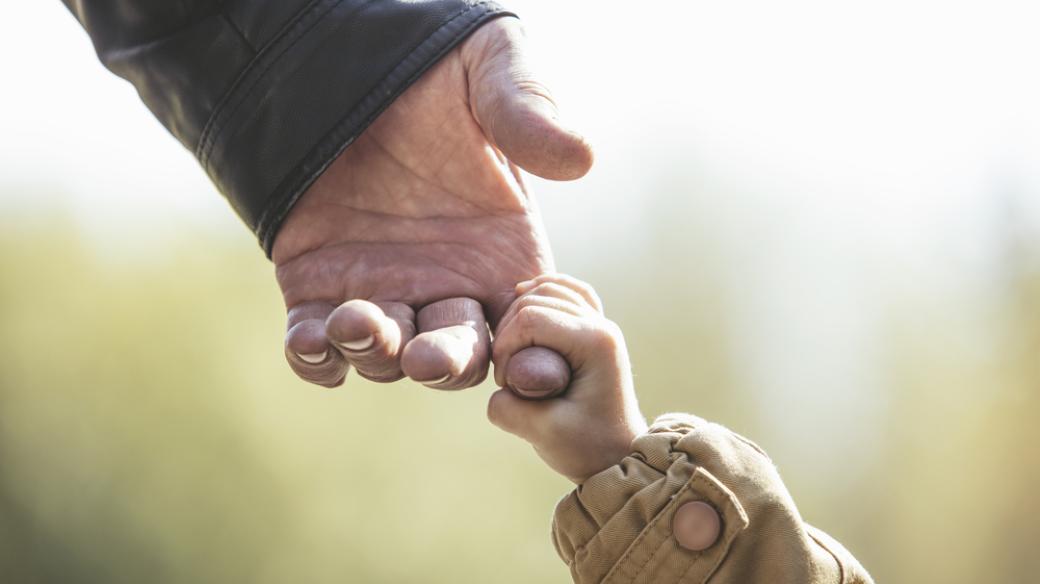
(561, 291)
(587, 292)
(535, 300)
(536, 326)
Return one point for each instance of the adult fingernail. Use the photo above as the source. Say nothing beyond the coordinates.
(358, 345)
(313, 358)
(437, 381)
(535, 394)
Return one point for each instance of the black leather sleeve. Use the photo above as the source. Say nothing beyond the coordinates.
(268, 92)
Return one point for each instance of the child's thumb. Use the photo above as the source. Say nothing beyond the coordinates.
(516, 415)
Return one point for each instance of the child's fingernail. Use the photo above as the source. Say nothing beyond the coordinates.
(524, 286)
(313, 358)
(358, 345)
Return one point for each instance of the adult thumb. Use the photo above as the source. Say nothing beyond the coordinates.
(515, 110)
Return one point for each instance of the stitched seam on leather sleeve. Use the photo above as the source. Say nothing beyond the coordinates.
(233, 90)
(238, 30)
(225, 109)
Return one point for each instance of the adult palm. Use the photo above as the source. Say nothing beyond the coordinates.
(423, 226)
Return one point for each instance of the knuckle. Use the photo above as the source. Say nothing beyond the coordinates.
(355, 304)
(606, 335)
(355, 309)
(592, 295)
(573, 290)
(557, 290)
(528, 316)
(523, 302)
(545, 287)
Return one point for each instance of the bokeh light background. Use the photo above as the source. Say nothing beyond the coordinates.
(817, 222)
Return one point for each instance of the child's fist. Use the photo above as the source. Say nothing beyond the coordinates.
(590, 427)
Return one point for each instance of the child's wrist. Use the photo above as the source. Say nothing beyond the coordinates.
(612, 450)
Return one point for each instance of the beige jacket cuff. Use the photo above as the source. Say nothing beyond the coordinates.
(617, 526)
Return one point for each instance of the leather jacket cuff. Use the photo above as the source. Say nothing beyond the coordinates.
(313, 90)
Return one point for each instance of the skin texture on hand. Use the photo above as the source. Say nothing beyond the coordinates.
(591, 426)
(391, 261)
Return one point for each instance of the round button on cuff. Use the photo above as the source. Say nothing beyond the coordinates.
(696, 526)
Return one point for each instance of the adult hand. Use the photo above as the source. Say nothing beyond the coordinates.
(423, 226)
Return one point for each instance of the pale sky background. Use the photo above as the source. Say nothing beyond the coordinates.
(840, 156)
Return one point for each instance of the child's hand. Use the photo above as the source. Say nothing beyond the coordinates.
(591, 426)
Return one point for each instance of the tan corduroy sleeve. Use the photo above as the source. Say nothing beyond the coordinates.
(617, 527)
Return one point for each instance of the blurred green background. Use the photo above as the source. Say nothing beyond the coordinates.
(829, 243)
